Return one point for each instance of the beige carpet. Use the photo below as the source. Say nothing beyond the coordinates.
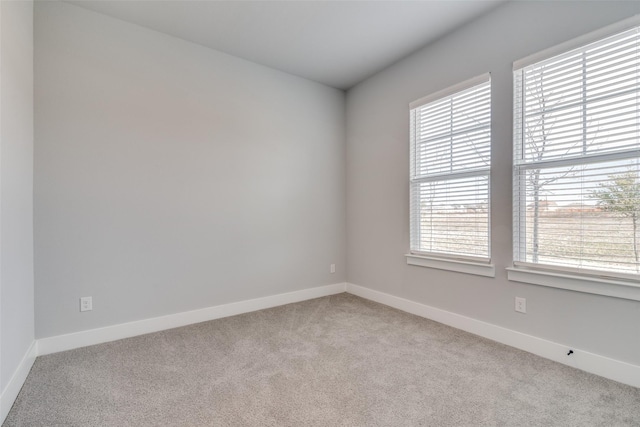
(334, 361)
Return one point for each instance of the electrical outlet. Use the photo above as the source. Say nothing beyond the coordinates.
(521, 305)
(332, 268)
(86, 304)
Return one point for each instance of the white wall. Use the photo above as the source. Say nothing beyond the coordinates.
(16, 186)
(171, 177)
(378, 180)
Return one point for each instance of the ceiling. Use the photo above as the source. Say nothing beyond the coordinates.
(337, 43)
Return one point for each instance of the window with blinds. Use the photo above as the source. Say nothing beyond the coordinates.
(576, 188)
(450, 165)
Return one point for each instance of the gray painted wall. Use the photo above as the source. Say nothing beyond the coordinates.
(171, 177)
(16, 185)
(378, 180)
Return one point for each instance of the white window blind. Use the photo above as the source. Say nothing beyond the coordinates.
(450, 166)
(576, 188)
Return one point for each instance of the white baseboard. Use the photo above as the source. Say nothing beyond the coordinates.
(600, 365)
(125, 330)
(14, 385)
(596, 364)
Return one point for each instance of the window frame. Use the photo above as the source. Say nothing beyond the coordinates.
(601, 282)
(441, 260)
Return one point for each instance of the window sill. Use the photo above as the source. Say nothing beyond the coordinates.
(574, 282)
(468, 267)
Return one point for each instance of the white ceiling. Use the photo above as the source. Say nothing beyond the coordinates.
(338, 43)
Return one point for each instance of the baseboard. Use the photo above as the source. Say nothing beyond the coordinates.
(10, 392)
(593, 363)
(126, 330)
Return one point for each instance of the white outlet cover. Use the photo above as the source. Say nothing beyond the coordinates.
(86, 304)
(521, 305)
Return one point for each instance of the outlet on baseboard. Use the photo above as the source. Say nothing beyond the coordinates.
(86, 304)
(521, 305)
(332, 268)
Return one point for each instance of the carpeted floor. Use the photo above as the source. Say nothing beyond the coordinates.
(333, 361)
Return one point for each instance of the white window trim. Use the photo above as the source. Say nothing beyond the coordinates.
(559, 277)
(479, 266)
(610, 287)
(458, 265)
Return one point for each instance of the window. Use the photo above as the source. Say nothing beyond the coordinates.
(576, 187)
(450, 166)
